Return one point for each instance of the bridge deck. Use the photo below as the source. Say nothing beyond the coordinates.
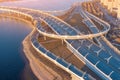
(99, 57)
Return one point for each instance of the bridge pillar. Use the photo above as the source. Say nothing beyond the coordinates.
(62, 41)
(9, 12)
(104, 35)
(90, 38)
(18, 14)
(44, 37)
(25, 16)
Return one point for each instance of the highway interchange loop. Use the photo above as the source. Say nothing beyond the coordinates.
(62, 29)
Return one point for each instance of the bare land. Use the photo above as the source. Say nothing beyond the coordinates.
(60, 49)
(42, 67)
(75, 21)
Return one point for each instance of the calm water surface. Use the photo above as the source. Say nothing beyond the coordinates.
(12, 33)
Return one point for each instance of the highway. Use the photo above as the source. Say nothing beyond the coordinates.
(90, 52)
(64, 31)
(58, 61)
(97, 58)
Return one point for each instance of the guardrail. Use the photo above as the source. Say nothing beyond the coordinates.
(17, 12)
(111, 46)
(25, 17)
(104, 24)
(52, 56)
(57, 13)
(87, 62)
(58, 61)
(61, 36)
(40, 12)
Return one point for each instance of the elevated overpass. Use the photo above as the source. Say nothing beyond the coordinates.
(62, 30)
(55, 59)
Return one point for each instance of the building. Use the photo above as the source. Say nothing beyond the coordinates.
(112, 5)
(119, 11)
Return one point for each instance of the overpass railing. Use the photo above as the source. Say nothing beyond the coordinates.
(61, 36)
(58, 61)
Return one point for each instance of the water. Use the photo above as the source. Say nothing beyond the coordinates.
(43, 4)
(12, 33)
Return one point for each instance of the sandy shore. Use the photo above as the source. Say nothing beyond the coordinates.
(27, 73)
(39, 67)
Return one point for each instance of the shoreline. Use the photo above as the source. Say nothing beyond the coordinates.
(41, 69)
(22, 54)
(40, 66)
(26, 73)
